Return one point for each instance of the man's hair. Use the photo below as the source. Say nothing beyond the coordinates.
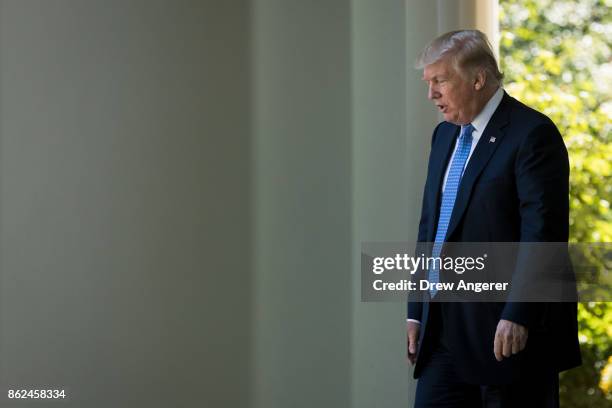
(469, 51)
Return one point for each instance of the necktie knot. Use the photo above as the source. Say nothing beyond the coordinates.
(466, 132)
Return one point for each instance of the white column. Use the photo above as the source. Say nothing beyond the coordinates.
(487, 21)
(302, 195)
(124, 167)
(470, 14)
(392, 125)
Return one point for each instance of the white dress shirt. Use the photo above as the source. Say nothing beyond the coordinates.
(479, 123)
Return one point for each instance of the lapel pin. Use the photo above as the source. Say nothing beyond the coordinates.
(492, 140)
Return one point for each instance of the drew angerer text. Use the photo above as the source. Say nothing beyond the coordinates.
(424, 284)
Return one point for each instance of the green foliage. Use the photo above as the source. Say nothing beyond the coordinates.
(556, 57)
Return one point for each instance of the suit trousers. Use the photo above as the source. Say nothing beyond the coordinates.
(439, 385)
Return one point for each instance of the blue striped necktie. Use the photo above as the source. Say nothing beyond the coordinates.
(448, 198)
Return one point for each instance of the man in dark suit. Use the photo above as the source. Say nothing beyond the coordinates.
(498, 172)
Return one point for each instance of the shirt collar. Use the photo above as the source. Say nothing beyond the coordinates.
(482, 119)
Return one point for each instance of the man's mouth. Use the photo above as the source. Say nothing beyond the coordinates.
(442, 108)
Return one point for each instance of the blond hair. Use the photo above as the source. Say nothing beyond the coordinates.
(469, 50)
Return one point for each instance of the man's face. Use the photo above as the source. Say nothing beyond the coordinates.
(453, 95)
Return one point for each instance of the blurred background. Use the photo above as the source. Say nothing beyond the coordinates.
(185, 186)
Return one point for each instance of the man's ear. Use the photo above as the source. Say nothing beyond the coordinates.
(480, 80)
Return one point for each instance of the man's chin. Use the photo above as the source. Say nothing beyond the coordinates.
(448, 117)
(454, 120)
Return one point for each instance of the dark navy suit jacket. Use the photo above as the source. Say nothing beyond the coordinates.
(515, 189)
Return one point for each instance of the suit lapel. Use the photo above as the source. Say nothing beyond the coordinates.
(487, 144)
(444, 150)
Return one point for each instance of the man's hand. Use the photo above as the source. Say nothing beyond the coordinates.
(412, 336)
(510, 338)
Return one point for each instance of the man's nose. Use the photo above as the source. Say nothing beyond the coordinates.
(432, 93)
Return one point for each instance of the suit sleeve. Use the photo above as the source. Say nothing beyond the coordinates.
(542, 181)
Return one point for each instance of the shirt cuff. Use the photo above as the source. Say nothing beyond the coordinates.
(413, 320)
